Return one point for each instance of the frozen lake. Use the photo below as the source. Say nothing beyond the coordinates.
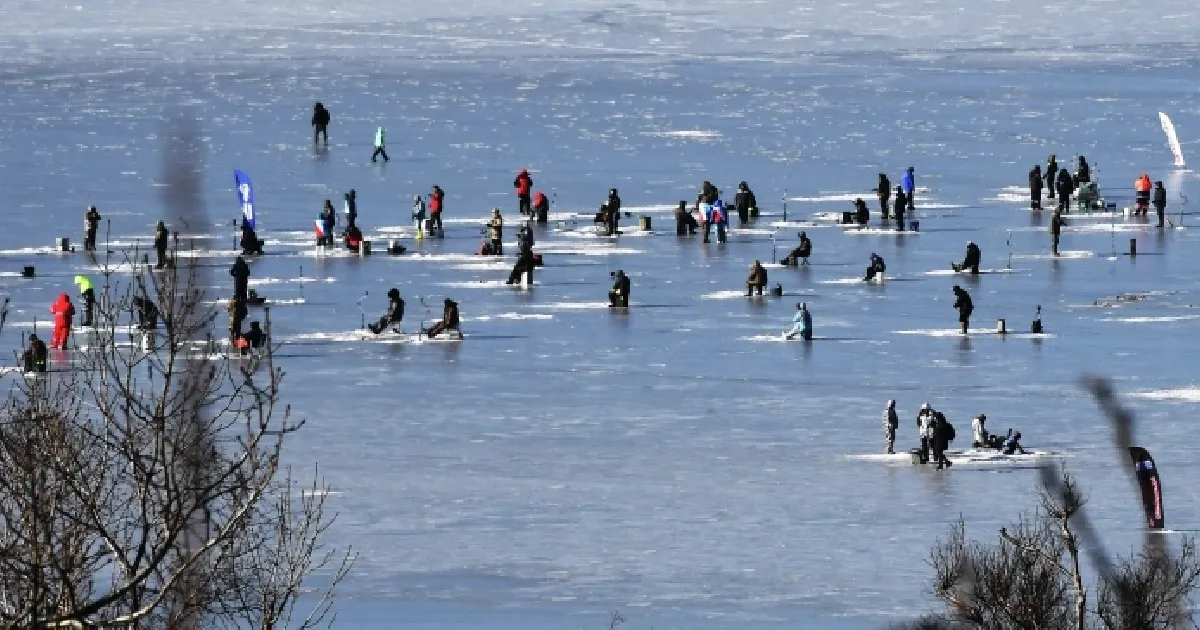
(676, 462)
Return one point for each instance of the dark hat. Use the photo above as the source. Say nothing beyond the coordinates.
(448, 301)
(957, 288)
(33, 336)
(393, 292)
(1158, 183)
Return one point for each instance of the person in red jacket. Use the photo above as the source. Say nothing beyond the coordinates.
(523, 183)
(541, 207)
(63, 312)
(436, 198)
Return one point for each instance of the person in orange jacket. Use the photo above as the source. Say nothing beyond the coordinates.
(1142, 189)
(523, 184)
(63, 311)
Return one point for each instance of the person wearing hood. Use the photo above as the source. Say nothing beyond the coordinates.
(353, 239)
(380, 145)
(1142, 189)
(925, 427)
(161, 238)
(685, 223)
(437, 200)
(1160, 202)
(241, 278)
(328, 218)
(708, 192)
(393, 316)
(237, 315)
(720, 218)
(523, 184)
(1065, 188)
(91, 223)
(525, 260)
(495, 228)
(613, 212)
(884, 191)
(1056, 225)
(757, 280)
(799, 255)
(418, 216)
(89, 299)
(320, 123)
(965, 307)
(939, 443)
(1035, 187)
(1051, 174)
(34, 358)
(891, 422)
(862, 214)
(971, 260)
(1083, 172)
(250, 243)
(63, 312)
(253, 338)
(449, 321)
(618, 297)
(1012, 444)
(900, 208)
(801, 324)
(745, 203)
(908, 182)
(350, 207)
(876, 268)
(541, 207)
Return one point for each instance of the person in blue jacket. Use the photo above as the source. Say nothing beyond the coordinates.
(801, 324)
(908, 184)
(720, 218)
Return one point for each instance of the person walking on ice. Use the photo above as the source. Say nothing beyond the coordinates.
(380, 145)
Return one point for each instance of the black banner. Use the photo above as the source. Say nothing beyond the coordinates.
(1147, 478)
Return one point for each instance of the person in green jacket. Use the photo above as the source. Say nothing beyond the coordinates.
(89, 299)
(380, 144)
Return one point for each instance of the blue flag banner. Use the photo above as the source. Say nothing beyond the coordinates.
(245, 197)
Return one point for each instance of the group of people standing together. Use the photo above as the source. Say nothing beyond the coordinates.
(936, 433)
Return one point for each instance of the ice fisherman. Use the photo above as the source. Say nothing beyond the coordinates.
(525, 259)
(541, 207)
(971, 259)
(523, 184)
(91, 223)
(965, 307)
(900, 208)
(801, 323)
(1160, 202)
(925, 421)
(1050, 175)
(250, 243)
(884, 191)
(908, 182)
(718, 217)
(34, 358)
(393, 316)
(619, 295)
(88, 294)
(161, 238)
(237, 314)
(320, 123)
(757, 279)
(449, 321)
(328, 218)
(891, 422)
(1035, 187)
(495, 230)
(253, 338)
(685, 223)
(418, 215)
(1056, 225)
(63, 312)
(1083, 172)
(1012, 445)
(241, 278)
(353, 239)
(350, 207)
(437, 200)
(380, 145)
(1142, 189)
(875, 268)
(862, 214)
(939, 442)
(744, 202)
(1066, 187)
(613, 215)
(799, 255)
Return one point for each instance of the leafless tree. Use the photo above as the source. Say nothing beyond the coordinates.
(142, 487)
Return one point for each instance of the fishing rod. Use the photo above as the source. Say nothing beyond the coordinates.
(1008, 242)
(362, 314)
(785, 205)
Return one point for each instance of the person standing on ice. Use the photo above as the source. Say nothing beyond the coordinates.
(328, 221)
(884, 191)
(613, 216)
(900, 208)
(1065, 188)
(965, 307)
(744, 201)
(320, 123)
(619, 295)
(161, 235)
(891, 422)
(1056, 226)
(241, 278)
(1051, 173)
(1083, 172)
(925, 420)
(720, 217)
(1035, 187)
(91, 223)
(393, 316)
(523, 184)
(1160, 202)
(1142, 189)
(63, 312)
(418, 216)
(380, 145)
(350, 206)
(89, 299)
(939, 441)
(801, 324)
(495, 229)
(437, 200)
(909, 184)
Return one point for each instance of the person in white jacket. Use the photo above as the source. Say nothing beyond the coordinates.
(925, 427)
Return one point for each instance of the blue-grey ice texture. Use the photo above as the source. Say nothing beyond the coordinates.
(677, 462)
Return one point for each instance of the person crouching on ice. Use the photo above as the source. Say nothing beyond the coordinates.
(876, 268)
(394, 315)
(619, 295)
(801, 324)
(34, 356)
(450, 321)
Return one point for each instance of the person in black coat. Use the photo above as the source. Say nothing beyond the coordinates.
(525, 261)
(613, 212)
(965, 307)
(744, 201)
(320, 123)
(1160, 202)
(91, 223)
(1051, 174)
(685, 222)
(619, 295)
(941, 440)
(241, 278)
(1065, 187)
(862, 214)
(971, 260)
(450, 320)
(34, 357)
(351, 209)
(394, 314)
(250, 243)
(900, 207)
(884, 191)
(876, 267)
(161, 237)
(237, 315)
(799, 255)
(1035, 187)
(1083, 172)
(1056, 225)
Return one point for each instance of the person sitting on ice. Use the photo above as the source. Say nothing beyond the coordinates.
(353, 239)
(1013, 444)
(618, 297)
(801, 323)
(685, 222)
(862, 214)
(255, 336)
(799, 255)
(393, 316)
(251, 245)
(971, 260)
(757, 279)
(450, 321)
(876, 268)
(980, 435)
(34, 357)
